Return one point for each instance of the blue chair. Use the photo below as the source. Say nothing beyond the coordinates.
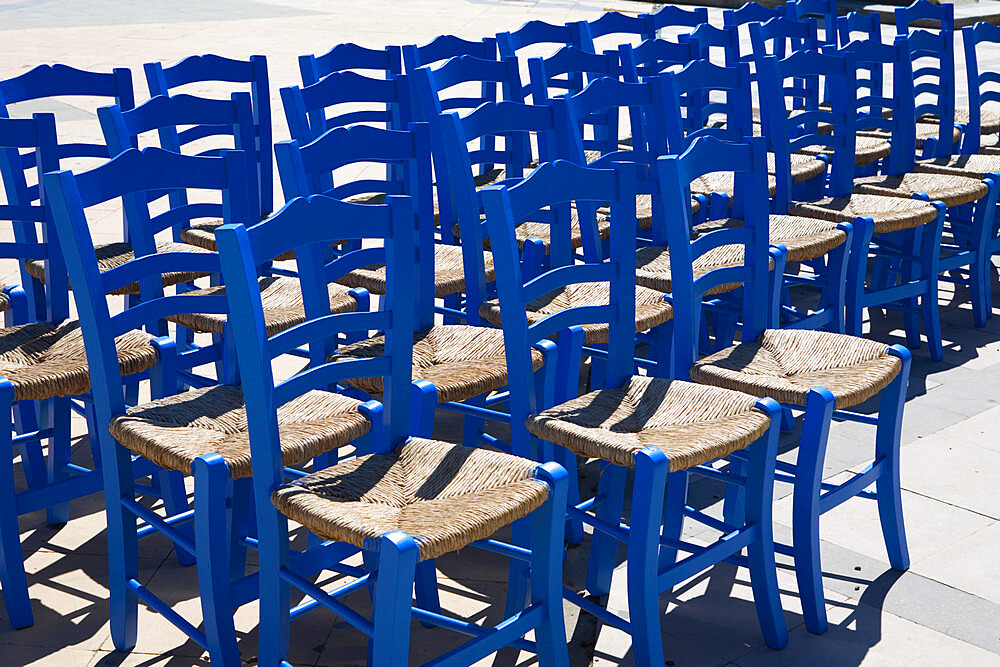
(627, 424)
(535, 33)
(437, 491)
(253, 71)
(932, 59)
(445, 47)
(707, 38)
(856, 26)
(824, 374)
(823, 9)
(907, 230)
(653, 57)
(347, 56)
(925, 14)
(981, 85)
(647, 26)
(155, 431)
(751, 12)
(231, 118)
(782, 36)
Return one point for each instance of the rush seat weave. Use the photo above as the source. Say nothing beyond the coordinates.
(691, 423)
(989, 120)
(866, 150)
(4, 300)
(972, 166)
(43, 360)
(449, 273)
(925, 131)
(444, 496)
(650, 308)
(786, 363)
(803, 167)
(951, 189)
(653, 266)
(113, 255)
(173, 431)
(542, 231)
(281, 298)
(461, 361)
(890, 214)
(804, 238)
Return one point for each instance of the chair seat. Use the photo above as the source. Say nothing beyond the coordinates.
(890, 214)
(804, 238)
(173, 431)
(542, 231)
(650, 308)
(951, 189)
(989, 120)
(4, 300)
(691, 423)
(786, 363)
(449, 273)
(653, 266)
(971, 166)
(644, 210)
(43, 360)
(462, 361)
(804, 168)
(925, 131)
(113, 255)
(444, 496)
(866, 150)
(282, 300)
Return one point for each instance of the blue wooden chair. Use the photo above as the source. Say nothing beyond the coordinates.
(925, 14)
(534, 33)
(347, 56)
(856, 26)
(647, 25)
(709, 39)
(982, 89)
(751, 12)
(211, 68)
(177, 432)
(444, 497)
(445, 47)
(653, 57)
(821, 9)
(629, 423)
(782, 36)
(907, 229)
(822, 373)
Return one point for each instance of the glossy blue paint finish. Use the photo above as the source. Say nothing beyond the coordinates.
(161, 80)
(823, 9)
(981, 84)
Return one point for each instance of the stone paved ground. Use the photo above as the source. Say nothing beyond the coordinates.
(944, 611)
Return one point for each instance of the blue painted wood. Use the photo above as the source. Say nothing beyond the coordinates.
(923, 11)
(708, 37)
(533, 33)
(750, 12)
(980, 84)
(444, 47)
(161, 80)
(348, 56)
(647, 25)
(131, 176)
(823, 9)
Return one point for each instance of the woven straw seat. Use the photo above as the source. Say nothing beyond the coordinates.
(653, 266)
(786, 363)
(43, 360)
(644, 210)
(113, 255)
(444, 496)
(461, 361)
(925, 131)
(804, 238)
(281, 298)
(650, 308)
(542, 231)
(173, 431)
(4, 300)
(890, 214)
(989, 145)
(449, 273)
(952, 190)
(866, 150)
(989, 120)
(691, 423)
(804, 167)
(971, 166)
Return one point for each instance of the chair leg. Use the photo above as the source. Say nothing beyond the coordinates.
(857, 265)
(390, 641)
(272, 529)
(59, 454)
(175, 501)
(518, 571)
(673, 514)
(13, 581)
(604, 547)
(212, 521)
(123, 542)
(651, 466)
(760, 552)
(734, 503)
(805, 507)
(32, 458)
(887, 444)
(930, 253)
(546, 567)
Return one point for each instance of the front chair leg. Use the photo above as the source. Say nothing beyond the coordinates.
(887, 443)
(546, 566)
(13, 581)
(397, 561)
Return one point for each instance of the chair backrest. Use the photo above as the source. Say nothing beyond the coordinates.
(886, 109)
(443, 47)
(30, 226)
(212, 68)
(748, 164)
(131, 176)
(789, 127)
(751, 12)
(646, 26)
(729, 119)
(302, 169)
(932, 57)
(925, 14)
(983, 85)
(822, 9)
(535, 33)
(350, 57)
(782, 36)
(855, 25)
(654, 56)
(708, 37)
(47, 81)
(557, 185)
(232, 118)
(307, 226)
(346, 98)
